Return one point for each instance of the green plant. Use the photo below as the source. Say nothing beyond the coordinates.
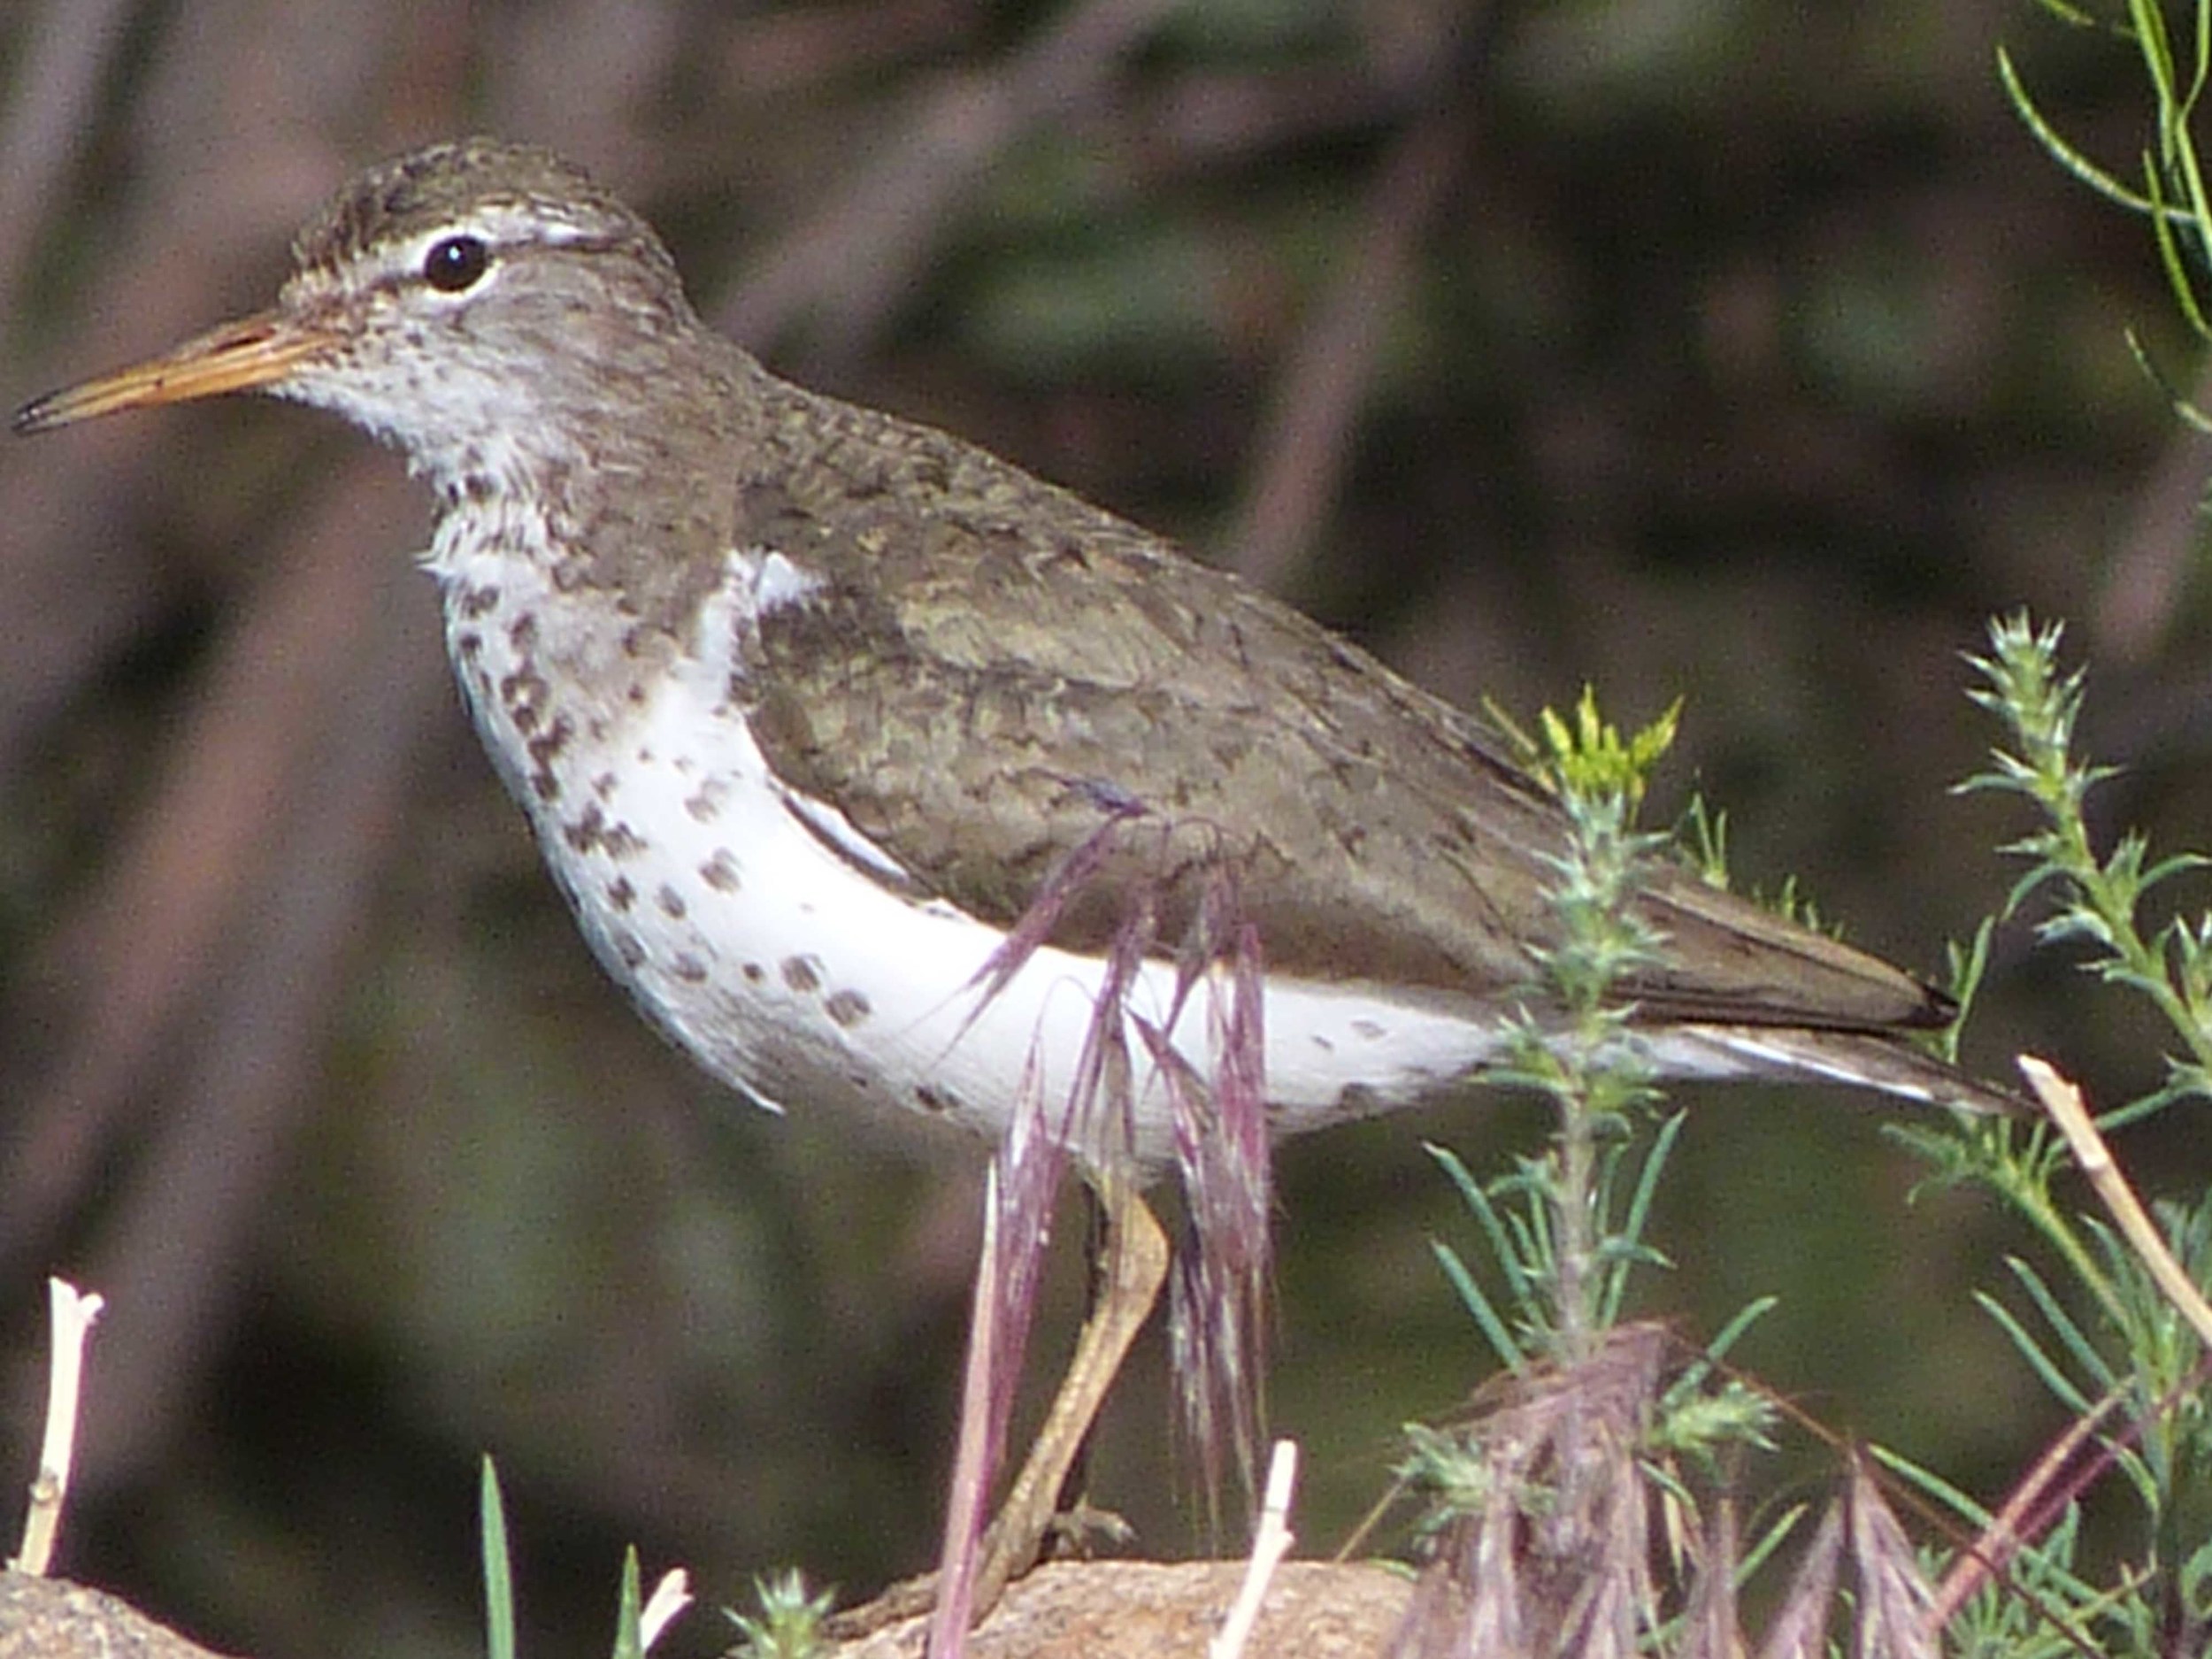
(2173, 197)
(790, 1623)
(2129, 1365)
(637, 1623)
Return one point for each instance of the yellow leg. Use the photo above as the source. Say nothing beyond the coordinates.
(1134, 1266)
(1133, 1262)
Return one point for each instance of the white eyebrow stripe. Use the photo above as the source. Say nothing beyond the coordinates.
(504, 228)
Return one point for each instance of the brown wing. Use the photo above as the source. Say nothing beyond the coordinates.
(981, 696)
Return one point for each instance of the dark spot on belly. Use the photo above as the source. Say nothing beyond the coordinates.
(620, 893)
(1357, 1100)
(672, 903)
(522, 634)
(720, 872)
(548, 743)
(689, 968)
(936, 1101)
(848, 1007)
(524, 695)
(475, 602)
(706, 805)
(803, 974)
(584, 834)
(754, 972)
(628, 949)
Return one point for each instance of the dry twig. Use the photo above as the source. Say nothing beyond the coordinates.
(73, 1312)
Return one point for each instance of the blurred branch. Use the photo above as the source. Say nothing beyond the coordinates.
(44, 122)
(1305, 445)
(850, 263)
(141, 947)
(200, 1186)
(231, 917)
(220, 148)
(771, 52)
(2144, 583)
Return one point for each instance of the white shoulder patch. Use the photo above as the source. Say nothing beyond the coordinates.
(771, 581)
(757, 583)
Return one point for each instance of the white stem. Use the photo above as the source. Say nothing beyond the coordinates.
(1270, 1545)
(72, 1314)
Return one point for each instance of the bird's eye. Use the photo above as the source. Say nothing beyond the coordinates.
(455, 264)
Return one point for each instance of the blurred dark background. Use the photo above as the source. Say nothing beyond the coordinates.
(1748, 352)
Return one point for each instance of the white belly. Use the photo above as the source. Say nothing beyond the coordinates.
(790, 973)
(794, 976)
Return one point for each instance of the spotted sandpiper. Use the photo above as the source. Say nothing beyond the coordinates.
(855, 750)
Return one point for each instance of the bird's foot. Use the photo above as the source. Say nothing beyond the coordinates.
(1074, 1534)
(1077, 1532)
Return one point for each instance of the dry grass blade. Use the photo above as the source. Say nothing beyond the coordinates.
(982, 1428)
(1035, 923)
(1711, 1628)
(1557, 1558)
(2037, 1499)
(2064, 1100)
(1217, 1307)
(1800, 1629)
(1894, 1599)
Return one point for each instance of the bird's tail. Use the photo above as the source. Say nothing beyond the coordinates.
(1862, 1059)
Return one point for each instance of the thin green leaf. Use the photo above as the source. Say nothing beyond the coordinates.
(2054, 1378)
(2085, 1353)
(629, 1638)
(1486, 1213)
(2171, 257)
(499, 1590)
(2067, 156)
(1697, 1371)
(2185, 411)
(1768, 1542)
(1478, 1305)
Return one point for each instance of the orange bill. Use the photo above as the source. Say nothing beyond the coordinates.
(238, 357)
